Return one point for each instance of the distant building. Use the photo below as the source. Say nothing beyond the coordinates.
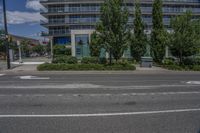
(33, 42)
(72, 21)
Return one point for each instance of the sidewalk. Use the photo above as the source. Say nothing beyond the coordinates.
(3, 65)
(25, 67)
(154, 68)
(28, 64)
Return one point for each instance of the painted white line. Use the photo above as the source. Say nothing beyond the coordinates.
(90, 86)
(106, 94)
(193, 82)
(33, 77)
(104, 114)
(166, 93)
(142, 94)
(2, 74)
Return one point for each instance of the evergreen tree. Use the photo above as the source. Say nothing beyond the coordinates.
(139, 39)
(158, 32)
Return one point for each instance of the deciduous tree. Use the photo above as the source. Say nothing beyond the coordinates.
(185, 37)
(113, 28)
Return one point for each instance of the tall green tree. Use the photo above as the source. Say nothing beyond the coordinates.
(95, 45)
(196, 26)
(139, 39)
(158, 32)
(25, 46)
(185, 37)
(40, 49)
(113, 28)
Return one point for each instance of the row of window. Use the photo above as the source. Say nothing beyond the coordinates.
(188, 1)
(144, 9)
(89, 19)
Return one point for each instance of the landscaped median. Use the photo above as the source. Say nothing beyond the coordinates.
(82, 67)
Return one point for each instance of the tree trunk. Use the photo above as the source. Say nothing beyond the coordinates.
(110, 56)
(181, 57)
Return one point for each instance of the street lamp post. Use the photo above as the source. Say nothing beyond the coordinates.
(6, 34)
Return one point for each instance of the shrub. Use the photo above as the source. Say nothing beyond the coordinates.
(89, 60)
(169, 61)
(191, 61)
(196, 68)
(61, 50)
(68, 51)
(72, 60)
(183, 67)
(63, 67)
(173, 67)
(123, 63)
(120, 67)
(102, 60)
(65, 59)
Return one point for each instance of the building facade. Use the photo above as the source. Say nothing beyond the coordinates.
(71, 22)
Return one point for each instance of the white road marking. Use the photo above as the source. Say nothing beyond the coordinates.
(103, 114)
(193, 82)
(33, 77)
(166, 93)
(1, 74)
(106, 94)
(90, 86)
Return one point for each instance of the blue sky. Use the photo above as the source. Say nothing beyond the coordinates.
(23, 17)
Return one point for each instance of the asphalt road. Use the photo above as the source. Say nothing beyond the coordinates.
(100, 103)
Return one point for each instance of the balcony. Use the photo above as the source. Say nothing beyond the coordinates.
(56, 33)
(167, 2)
(47, 2)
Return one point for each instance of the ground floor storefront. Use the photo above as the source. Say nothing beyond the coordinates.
(79, 41)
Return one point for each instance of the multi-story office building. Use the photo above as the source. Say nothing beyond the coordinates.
(70, 22)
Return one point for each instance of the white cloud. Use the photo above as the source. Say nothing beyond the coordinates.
(34, 4)
(17, 17)
(1, 16)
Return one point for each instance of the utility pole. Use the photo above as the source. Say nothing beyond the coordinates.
(6, 35)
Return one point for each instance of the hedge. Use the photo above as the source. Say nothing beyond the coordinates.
(65, 59)
(183, 67)
(80, 67)
(89, 60)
